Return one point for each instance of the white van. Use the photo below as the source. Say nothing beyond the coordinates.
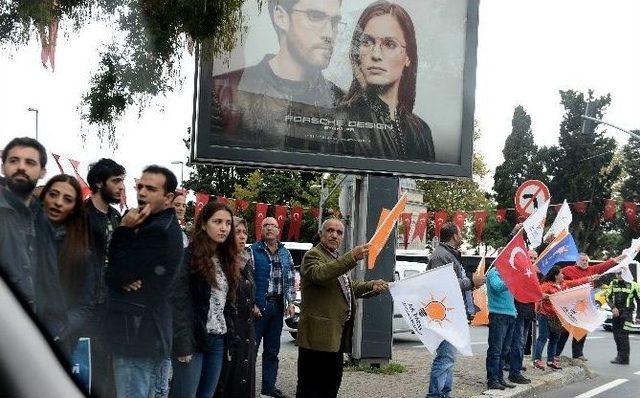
(404, 269)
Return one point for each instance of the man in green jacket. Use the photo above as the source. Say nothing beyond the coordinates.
(327, 311)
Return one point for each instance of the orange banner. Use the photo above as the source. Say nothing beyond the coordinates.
(384, 230)
(480, 299)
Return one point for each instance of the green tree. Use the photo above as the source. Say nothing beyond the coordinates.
(582, 166)
(464, 194)
(142, 59)
(520, 159)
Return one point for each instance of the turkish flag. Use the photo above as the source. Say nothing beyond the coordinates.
(459, 219)
(517, 272)
(630, 212)
(580, 207)
(609, 209)
(501, 215)
(222, 200)
(86, 191)
(421, 226)
(281, 217)
(479, 220)
(440, 217)
(241, 205)
(315, 212)
(201, 201)
(57, 159)
(406, 221)
(261, 214)
(295, 224)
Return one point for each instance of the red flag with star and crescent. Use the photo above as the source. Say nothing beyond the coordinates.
(201, 201)
(517, 272)
(261, 214)
(281, 217)
(421, 226)
(440, 218)
(295, 224)
(609, 209)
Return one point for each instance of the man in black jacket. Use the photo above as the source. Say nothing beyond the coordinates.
(441, 379)
(144, 258)
(106, 180)
(28, 256)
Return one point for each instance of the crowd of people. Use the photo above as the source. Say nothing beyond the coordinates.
(177, 313)
(169, 312)
(511, 321)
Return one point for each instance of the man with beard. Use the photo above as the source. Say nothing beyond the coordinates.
(106, 180)
(145, 254)
(272, 104)
(28, 255)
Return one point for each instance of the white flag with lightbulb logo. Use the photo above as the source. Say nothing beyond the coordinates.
(433, 306)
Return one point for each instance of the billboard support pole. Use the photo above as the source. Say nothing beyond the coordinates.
(363, 200)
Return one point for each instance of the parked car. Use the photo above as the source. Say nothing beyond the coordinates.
(404, 269)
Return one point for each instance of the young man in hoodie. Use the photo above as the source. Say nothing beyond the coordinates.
(502, 319)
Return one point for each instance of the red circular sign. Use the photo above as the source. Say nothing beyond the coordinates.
(529, 196)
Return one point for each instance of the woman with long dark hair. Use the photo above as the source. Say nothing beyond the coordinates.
(379, 103)
(239, 369)
(62, 201)
(211, 276)
(549, 327)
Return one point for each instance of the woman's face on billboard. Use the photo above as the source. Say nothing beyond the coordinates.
(382, 51)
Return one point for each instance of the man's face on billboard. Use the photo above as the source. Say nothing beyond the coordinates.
(310, 28)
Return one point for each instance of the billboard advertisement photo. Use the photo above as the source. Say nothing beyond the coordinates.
(361, 86)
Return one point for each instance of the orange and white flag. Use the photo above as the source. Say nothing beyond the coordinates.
(577, 311)
(386, 223)
(432, 305)
(480, 298)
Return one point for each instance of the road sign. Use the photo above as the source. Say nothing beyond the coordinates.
(529, 196)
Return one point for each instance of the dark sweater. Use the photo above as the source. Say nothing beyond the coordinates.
(139, 323)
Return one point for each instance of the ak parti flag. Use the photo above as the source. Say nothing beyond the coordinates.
(384, 229)
(577, 311)
(517, 271)
(432, 304)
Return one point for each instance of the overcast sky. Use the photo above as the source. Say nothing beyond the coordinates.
(528, 50)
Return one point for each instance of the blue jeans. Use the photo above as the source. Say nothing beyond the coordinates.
(516, 352)
(133, 375)
(544, 334)
(441, 380)
(500, 335)
(160, 379)
(268, 329)
(199, 378)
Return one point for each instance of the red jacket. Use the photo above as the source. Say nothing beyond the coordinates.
(574, 272)
(545, 307)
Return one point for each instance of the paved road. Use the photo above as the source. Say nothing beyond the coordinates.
(609, 381)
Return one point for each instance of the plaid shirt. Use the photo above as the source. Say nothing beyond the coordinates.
(276, 284)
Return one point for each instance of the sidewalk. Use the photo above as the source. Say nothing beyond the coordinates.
(469, 377)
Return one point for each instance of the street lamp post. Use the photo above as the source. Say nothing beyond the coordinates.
(325, 194)
(181, 163)
(36, 111)
(593, 119)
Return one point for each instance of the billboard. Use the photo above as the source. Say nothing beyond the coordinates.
(360, 86)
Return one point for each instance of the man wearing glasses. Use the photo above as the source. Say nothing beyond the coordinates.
(282, 101)
(274, 291)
